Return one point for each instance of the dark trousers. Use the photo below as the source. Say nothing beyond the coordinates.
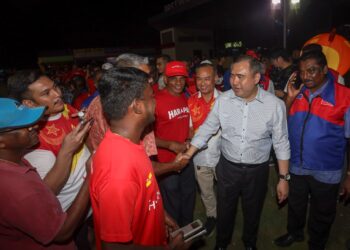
(81, 235)
(249, 182)
(179, 194)
(323, 203)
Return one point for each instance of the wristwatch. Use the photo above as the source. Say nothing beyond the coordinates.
(285, 177)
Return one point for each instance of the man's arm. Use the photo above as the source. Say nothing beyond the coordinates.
(177, 165)
(176, 243)
(58, 175)
(77, 211)
(282, 185)
(173, 146)
(291, 91)
(282, 148)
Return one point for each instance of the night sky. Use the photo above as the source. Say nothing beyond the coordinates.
(32, 26)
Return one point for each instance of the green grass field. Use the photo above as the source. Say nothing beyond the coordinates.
(273, 224)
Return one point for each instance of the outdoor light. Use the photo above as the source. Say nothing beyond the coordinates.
(284, 4)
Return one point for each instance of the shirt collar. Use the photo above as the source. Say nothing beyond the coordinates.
(259, 96)
(216, 93)
(327, 91)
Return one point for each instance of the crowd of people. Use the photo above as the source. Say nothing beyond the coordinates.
(109, 156)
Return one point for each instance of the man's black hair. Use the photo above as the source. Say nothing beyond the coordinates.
(165, 57)
(276, 53)
(18, 83)
(316, 55)
(254, 64)
(311, 47)
(118, 87)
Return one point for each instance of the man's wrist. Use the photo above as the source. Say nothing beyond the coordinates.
(284, 177)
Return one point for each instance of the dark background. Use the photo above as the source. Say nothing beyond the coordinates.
(30, 27)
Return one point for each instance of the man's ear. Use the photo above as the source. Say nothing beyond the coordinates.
(136, 106)
(216, 78)
(257, 77)
(29, 103)
(325, 70)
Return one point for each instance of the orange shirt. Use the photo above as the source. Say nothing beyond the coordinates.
(199, 109)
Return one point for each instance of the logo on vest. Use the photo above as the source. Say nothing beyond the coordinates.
(325, 103)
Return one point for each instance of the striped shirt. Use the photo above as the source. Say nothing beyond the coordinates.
(248, 128)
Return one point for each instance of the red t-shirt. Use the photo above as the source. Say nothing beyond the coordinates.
(125, 197)
(53, 131)
(172, 121)
(199, 109)
(30, 214)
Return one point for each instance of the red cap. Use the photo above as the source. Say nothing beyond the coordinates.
(74, 73)
(252, 53)
(176, 68)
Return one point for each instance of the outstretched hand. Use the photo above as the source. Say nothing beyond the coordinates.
(177, 147)
(180, 162)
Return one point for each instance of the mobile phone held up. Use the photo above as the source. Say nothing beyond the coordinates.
(296, 80)
(191, 231)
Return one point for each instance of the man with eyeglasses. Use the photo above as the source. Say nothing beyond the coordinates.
(171, 130)
(31, 216)
(319, 128)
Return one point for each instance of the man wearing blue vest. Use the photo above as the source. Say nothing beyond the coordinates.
(319, 128)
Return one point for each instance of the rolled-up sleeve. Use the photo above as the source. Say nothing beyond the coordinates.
(280, 133)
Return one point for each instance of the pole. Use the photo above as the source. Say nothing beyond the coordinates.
(284, 2)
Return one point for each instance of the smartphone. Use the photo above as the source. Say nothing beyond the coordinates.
(189, 230)
(297, 81)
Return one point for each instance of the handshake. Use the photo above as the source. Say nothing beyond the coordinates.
(184, 152)
(181, 161)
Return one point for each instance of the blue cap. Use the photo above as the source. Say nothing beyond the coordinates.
(15, 115)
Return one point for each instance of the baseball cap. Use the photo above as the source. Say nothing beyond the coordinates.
(206, 62)
(176, 68)
(14, 115)
(252, 53)
(106, 66)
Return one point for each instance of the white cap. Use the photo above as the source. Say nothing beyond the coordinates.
(107, 66)
(206, 61)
